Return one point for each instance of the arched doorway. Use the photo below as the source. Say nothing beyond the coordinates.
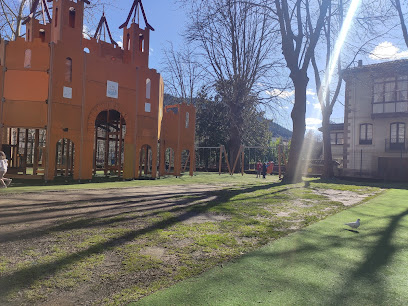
(146, 160)
(110, 130)
(169, 160)
(64, 159)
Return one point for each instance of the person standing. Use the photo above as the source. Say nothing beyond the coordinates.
(258, 169)
(264, 168)
(3, 171)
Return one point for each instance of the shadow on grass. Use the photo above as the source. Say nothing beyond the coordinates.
(30, 275)
(369, 271)
(363, 183)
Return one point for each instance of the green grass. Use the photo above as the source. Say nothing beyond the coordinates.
(89, 251)
(324, 264)
(21, 186)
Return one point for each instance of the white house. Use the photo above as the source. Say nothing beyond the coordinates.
(376, 120)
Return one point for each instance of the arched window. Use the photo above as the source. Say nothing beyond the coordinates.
(68, 69)
(187, 120)
(141, 42)
(72, 17)
(56, 17)
(148, 88)
(42, 35)
(27, 58)
(397, 133)
(366, 133)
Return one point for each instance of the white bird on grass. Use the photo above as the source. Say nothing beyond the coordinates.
(353, 224)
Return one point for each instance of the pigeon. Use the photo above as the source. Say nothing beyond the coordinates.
(354, 224)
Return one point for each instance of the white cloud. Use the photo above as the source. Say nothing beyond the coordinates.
(316, 106)
(310, 92)
(313, 123)
(386, 50)
(280, 93)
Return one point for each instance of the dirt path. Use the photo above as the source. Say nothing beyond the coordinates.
(21, 214)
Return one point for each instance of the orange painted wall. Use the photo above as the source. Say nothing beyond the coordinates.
(33, 97)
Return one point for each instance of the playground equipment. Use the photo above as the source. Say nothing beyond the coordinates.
(216, 159)
(71, 106)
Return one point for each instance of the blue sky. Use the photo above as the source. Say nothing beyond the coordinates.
(169, 21)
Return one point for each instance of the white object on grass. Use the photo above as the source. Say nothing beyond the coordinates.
(354, 224)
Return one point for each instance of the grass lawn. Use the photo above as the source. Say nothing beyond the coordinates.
(323, 264)
(21, 185)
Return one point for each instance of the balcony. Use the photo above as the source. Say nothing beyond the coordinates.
(390, 109)
(396, 145)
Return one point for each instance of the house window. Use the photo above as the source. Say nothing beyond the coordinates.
(141, 42)
(128, 41)
(72, 17)
(42, 35)
(336, 138)
(148, 107)
(366, 133)
(68, 69)
(187, 120)
(390, 95)
(397, 135)
(148, 88)
(27, 58)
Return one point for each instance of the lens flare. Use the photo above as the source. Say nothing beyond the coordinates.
(307, 147)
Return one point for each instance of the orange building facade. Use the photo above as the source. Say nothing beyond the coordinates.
(80, 107)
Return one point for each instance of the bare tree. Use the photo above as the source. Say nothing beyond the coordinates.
(11, 16)
(13, 13)
(238, 40)
(183, 73)
(401, 16)
(299, 34)
(365, 31)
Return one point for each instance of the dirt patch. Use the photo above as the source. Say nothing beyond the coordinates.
(193, 217)
(348, 198)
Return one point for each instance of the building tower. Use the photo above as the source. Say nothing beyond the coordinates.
(67, 23)
(135, 39)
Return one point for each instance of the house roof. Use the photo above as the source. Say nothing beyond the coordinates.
(334, 127)
(383, 68)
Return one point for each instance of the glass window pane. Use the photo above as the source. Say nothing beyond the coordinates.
(379, 97)
(389, 96)
(378, 88)
(403, 95)
(378, 108)
(369, 132)
(332, 138)
(393, 132)
(402, 107)
(401, 132)
(363, 131)
(339, 138)
(389, 107)
(403, 85)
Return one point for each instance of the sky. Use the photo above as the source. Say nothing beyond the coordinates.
(169, 21)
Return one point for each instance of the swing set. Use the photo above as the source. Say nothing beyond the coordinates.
(215, 159)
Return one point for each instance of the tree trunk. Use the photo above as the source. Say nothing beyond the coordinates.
(294, 167)
(328, 160)
(234, 145)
